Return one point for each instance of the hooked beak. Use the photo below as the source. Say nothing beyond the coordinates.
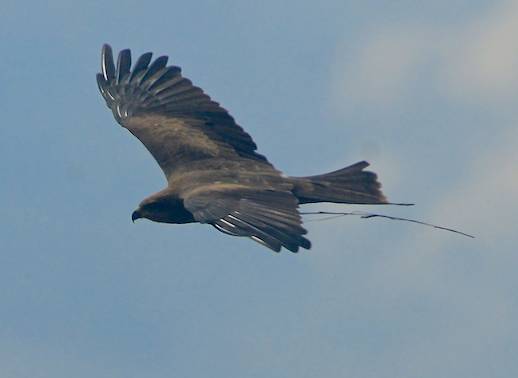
(135, 215)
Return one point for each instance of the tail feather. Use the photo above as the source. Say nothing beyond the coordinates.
(347, 185)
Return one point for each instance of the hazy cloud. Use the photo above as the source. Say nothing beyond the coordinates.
(482, 57)
(475, 59)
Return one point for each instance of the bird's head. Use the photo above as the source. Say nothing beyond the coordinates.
(147, 210)
(163, 207)
(154, 208)
(136, 215)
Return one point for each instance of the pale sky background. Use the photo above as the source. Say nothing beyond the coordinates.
(427, 91)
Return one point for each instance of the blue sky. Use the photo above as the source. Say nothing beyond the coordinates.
(426, 91)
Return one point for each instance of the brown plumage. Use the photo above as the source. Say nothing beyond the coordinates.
(213, 171)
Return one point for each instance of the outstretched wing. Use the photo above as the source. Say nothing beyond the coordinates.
(176, 121)
(267, 216)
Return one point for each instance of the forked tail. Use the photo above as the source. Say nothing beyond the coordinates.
(347, 185)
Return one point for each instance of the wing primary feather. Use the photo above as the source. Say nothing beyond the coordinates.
(141, 65)
(251, 230)
(185, 95)
(219, 227)
(123, 64)
(156, 66)
(262, 242)
(272, 244)
(158, 77)
(286, 227)
(227, 223)
(162, 90)
(289, 238)
(267, 233)
(107, 66)
(162, 76)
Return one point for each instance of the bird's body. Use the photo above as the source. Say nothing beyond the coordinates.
(213, 171)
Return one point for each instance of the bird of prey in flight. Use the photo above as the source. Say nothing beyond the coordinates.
(214, 173)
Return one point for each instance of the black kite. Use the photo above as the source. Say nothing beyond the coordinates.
(214, 174)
